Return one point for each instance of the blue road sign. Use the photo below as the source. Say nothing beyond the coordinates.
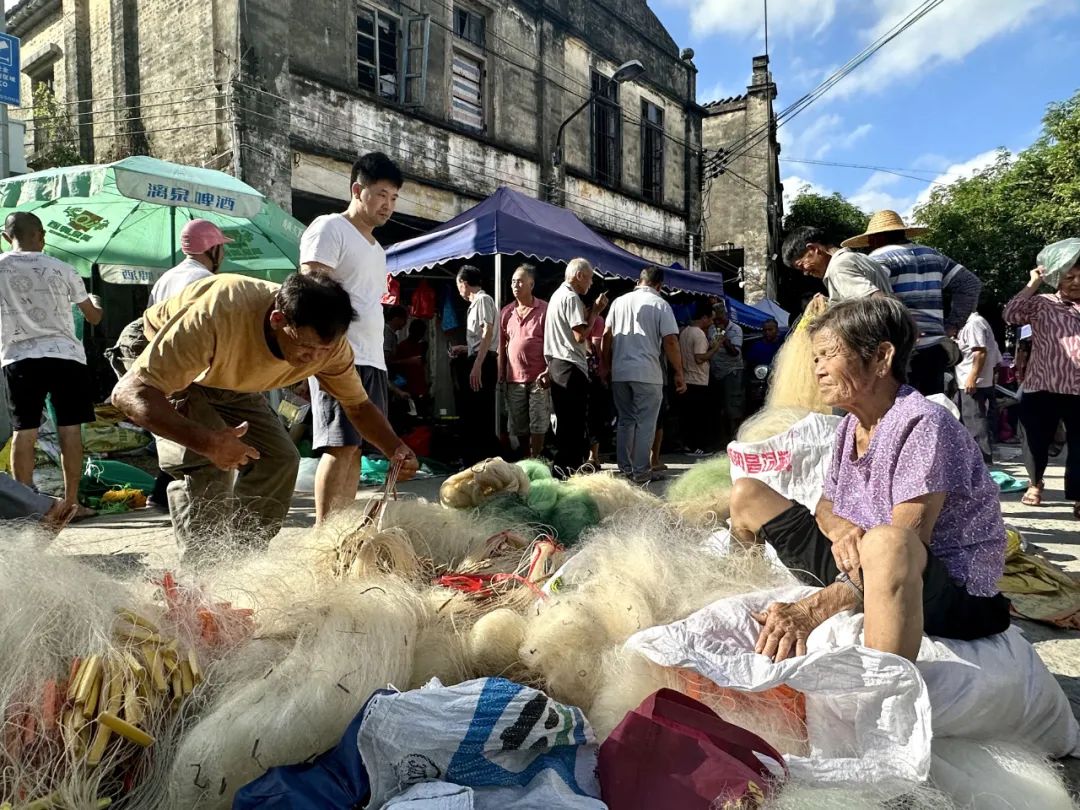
(9, 70)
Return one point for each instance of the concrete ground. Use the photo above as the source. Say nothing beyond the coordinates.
(145, 537)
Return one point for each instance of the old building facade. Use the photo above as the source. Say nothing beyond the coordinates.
(742, 199)
(466, 95)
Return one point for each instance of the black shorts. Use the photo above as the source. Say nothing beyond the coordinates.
(330, 427)
(67, 382)
(949, 611)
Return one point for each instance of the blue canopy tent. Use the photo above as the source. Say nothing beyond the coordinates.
(509, 222)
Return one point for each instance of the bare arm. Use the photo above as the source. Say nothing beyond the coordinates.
(978, 362)
(485, 341)
(316, 267)
(149, 408)
(372, 424)
(1021, 308)
(919, 514)
(674, 356)
(708, 355)
(833, 526)
(91, 310)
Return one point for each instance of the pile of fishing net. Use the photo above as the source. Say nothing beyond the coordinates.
(526, 493)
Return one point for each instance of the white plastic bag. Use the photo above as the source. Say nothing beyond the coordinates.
(868, 714)
(794, 463)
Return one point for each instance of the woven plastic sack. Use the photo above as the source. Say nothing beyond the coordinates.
(512, 745)
(1055, 259)
(793, 463)
(871, 716)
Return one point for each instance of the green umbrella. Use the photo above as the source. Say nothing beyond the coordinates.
(130, 214)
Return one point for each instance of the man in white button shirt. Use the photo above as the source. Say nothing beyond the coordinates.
(344, 247)
(203, 245)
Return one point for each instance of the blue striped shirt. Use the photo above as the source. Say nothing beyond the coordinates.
(919, 274)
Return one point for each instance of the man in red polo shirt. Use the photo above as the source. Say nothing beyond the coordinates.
(522, 366)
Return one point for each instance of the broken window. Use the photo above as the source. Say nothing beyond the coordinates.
(391, 59)
(377, 38)
(469, 25)
(606, 130)
(652, 151)
(467, 90)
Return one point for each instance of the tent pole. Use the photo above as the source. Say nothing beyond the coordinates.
(498, 309)
(172, 234)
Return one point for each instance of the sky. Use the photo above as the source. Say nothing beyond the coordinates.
(936, 103)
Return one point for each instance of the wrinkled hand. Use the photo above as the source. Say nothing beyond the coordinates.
(1037, 276)
(785, 626)
(680, 384)
(227, 452)
(969, 386)
(845, 547)
(409, 462)
(544, 380)
(601, 303)
(475, 376)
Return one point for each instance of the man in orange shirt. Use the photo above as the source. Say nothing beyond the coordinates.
(213, 350)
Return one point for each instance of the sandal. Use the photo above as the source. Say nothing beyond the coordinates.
(1033, 496)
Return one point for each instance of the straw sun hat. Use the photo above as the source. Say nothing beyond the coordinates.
(881, 222)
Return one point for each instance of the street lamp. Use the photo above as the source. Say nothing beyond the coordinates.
(626, 72)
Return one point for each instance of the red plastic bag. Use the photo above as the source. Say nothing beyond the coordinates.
(422, 304)
(672, 751)
(392, 296)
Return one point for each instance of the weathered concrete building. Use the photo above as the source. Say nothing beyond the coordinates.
(466, 95)
(743, 200)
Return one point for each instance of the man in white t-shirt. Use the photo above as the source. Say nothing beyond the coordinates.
(975, 377)
(475, 368)
(203, 246)
(344, 247)
(640, 328)
(39, 351)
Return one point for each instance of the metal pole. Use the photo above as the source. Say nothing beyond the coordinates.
(5, 157)
(498, 310)
(172, 234)
(692, 267)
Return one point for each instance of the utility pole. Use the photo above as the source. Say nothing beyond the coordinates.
(5, 130)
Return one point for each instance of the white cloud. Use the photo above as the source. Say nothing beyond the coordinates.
(826, 133)
(795, 185)
(877, 193)
(956, 171)
(747, 19)
(946, 35)
(720, 91)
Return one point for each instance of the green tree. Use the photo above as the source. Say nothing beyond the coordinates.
(56, 138)
(997, 221)
(839, 218)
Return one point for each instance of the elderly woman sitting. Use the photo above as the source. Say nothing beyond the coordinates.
(909, 529)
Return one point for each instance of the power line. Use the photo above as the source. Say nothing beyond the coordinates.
(742, 145)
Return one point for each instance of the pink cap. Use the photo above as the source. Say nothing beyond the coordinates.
(200, 235)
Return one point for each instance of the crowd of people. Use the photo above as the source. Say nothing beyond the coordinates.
(194, 368)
